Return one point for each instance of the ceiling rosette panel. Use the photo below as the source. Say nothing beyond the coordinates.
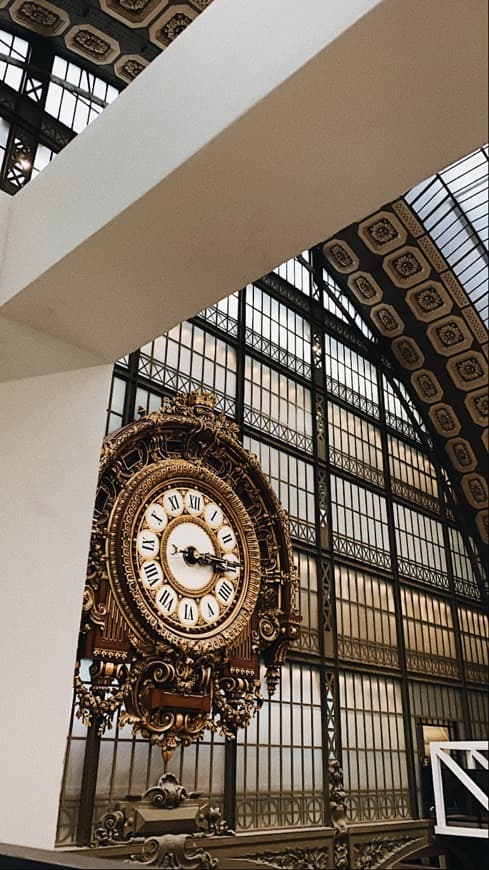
(390, 268)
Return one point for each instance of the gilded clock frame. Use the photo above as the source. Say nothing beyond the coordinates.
(121, 533)
(174, 684)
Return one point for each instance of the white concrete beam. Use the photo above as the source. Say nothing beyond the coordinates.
(262, 130)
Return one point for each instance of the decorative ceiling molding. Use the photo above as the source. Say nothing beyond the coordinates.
(133, 13)
(91, 43)
(116, 38)
(395, 275)
(44, 18)
(129, 66)
(174, 21)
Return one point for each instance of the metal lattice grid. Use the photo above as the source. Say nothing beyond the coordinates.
(277, 405)
(374, 749)
(420, 546)
(76, 107)
(279, 756)
(474, 627)
(366, 619)
(429, 633)
(355, 445)
(360, 527)
(413, 475)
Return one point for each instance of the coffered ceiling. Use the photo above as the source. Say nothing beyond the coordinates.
(114, 38)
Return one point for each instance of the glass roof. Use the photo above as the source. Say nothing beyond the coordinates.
(453, 206)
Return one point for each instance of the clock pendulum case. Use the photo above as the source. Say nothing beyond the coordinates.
(190, 579)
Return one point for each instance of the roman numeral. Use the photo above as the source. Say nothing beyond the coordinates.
(151, 573)
(194, 501)
(147, 544)
(227, 538)
(188, 612)
(166, 600)
(173, 502)
(210, 610)
(214, 515)
(225, 590)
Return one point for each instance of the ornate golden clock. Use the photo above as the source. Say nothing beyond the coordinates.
(190, 577)
(183, 554)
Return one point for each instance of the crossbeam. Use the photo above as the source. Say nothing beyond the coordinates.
(440, 756)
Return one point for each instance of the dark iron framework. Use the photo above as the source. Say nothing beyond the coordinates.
(388, 581)
(390, 586)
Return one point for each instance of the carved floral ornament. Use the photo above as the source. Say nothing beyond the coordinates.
(174, 20)
(382, 232)
(190, 579)
(314, 858)
(92, 43)
(41, 17)
(375, 852)
(129, 66)
(134, 13)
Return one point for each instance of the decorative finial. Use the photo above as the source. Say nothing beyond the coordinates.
(202, 399)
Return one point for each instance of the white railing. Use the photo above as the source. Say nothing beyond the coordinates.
(440, 755)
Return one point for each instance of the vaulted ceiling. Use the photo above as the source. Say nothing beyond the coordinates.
(412, 298)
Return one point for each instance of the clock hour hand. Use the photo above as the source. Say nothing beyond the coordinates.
(190, 554)
(193, 557)
(217, 562)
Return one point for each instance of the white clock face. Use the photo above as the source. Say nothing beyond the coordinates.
(193, 577)
(190, 561)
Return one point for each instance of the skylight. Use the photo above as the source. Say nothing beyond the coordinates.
(453, 206)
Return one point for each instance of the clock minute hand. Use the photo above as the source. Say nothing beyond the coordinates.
(217, 562)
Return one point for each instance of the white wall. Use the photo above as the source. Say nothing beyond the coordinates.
(51, 433)
(5, 205)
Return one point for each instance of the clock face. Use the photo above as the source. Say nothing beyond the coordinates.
(189, 556)
(183, 547)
